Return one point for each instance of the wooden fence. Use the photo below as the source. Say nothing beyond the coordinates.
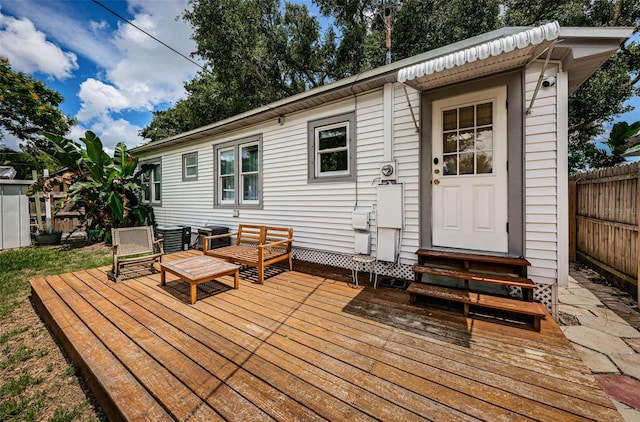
(604, 222)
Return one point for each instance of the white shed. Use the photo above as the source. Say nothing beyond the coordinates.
(14, 214)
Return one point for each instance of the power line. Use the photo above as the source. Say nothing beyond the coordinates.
(146, 33)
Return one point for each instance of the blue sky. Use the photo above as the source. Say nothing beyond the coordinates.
(111, 75)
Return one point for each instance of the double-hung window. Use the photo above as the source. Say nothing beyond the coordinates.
(332, 149)
(152, 184)
(190, 167)
(239, 173)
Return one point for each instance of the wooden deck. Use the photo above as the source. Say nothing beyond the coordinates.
(301, 348)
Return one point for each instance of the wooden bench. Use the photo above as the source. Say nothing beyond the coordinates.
(256, 246)
(534, 309)
(134, 247)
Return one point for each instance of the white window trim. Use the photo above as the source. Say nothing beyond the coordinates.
(236, 146)
(241, 173)
(221, 176)
(318, 172)
(151, 182)
(313, 128)
(185, 167)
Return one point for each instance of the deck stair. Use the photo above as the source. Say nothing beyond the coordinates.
(479, 268)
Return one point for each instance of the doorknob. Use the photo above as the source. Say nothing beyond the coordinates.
(435, 160)
(436, 182)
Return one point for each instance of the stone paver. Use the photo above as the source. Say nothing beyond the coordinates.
(597, 340)
(574, 310)
(608, 314)
(619, 386)
(629, 364)
(572, 299)
(615, 328)
(634, 343)
(607, 338)
(628, 413)
(596, 361)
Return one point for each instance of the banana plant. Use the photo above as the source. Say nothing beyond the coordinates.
(105, 190)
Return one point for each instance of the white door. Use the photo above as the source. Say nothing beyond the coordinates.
(469, 171)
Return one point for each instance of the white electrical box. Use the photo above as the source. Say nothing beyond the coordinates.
(360, 219)
(390, 206)
(362, 242)
(387, 245)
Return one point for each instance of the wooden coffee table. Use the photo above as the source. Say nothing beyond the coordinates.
(197, 270)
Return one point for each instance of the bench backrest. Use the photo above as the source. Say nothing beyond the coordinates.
(133, 240)
(263, 235)
(250, 234)
(276, 234)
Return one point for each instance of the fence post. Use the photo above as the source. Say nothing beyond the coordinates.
(573, 228)
(637, 213)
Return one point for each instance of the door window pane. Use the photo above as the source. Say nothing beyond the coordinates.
(450, 120)
(466, 163)
(484, 162)
(450, 165)
(466, 117)
(467, 140)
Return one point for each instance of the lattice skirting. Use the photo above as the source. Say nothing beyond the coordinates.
(346, 261)
(548, 295)
(545, 293)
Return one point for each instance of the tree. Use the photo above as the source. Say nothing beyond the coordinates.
(255, 54)
(28, 107)
(104, 190)
(601, 98)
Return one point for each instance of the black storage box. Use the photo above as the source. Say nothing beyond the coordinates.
(213, 231)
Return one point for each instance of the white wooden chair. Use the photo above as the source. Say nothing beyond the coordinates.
(134, 247)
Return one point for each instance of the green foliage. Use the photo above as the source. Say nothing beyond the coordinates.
(426, 25)
(105, 191)
(25, 162)
(28, 107)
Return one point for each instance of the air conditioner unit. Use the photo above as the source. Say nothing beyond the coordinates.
(388, 170)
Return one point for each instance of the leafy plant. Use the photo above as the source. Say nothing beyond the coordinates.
(105, 191)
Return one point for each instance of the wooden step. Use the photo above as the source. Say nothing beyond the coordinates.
(502, 279)
(534, 309)
(465, 256)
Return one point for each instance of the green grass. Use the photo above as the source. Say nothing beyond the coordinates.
(21, 265)
(20, 399)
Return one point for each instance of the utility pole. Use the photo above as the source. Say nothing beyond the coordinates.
(387, 12)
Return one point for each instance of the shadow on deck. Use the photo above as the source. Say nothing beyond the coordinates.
(303, 347)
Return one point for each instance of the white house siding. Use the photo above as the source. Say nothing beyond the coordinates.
(320, 213)
(541, 177)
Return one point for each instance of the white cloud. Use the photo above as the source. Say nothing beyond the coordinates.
(99, 98)
(147, 73)
(111, 131)
(135, 73)
(58, 19)
(29, 51)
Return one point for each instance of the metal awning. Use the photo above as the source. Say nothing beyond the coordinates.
(487, 58)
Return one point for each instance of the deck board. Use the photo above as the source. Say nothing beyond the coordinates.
(302, 347)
